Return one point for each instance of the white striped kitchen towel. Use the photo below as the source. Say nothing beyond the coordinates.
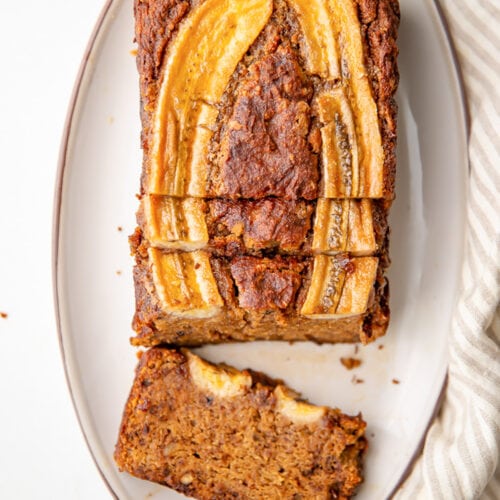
(460, 455)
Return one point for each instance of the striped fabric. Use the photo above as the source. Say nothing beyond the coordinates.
(460, 456)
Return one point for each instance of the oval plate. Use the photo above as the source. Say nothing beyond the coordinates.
(94, 212)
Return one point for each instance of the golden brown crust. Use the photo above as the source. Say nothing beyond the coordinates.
(242, 436)
(266, 284)
(265, 149)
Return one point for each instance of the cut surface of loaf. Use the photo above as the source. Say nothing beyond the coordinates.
(215, 432)
(269, 131)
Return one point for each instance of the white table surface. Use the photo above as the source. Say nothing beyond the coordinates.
(42, 451)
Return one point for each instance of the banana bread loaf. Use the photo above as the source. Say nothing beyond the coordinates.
(269, 131)
(215, 432)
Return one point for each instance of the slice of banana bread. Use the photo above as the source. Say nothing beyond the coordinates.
(193, 298)
(213, 432)
(265, 226)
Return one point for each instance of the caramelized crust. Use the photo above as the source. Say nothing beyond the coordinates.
(265, 150)
(266, 284)
(248, 226)
(214, 432)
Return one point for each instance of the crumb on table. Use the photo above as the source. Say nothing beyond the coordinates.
(4, 315)
(395, 381)
(350, 363)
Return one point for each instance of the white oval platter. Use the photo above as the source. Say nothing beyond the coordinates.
(95, 196)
